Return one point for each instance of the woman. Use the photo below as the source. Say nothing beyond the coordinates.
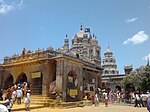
(27, 100)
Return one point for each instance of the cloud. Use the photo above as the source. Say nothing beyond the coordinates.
(147, 57)
(6, 8)
(138, 38)
(131, 20)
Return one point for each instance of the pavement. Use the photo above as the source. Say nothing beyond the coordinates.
(91, 108)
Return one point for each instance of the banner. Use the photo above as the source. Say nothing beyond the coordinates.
(36, 75)
(73, 92)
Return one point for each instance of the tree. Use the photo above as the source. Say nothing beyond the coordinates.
(140, 78)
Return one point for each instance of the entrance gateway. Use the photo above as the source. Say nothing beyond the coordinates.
(37, 83)
(21, 78)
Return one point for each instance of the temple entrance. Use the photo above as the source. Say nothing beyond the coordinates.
(72, 86)
(9, 81)
(21, 78)
(37, 78)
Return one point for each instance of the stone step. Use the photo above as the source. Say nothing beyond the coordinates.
(22, 107)
(66, 105)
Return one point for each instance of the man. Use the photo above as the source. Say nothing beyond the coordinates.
(137, 100)
(148, 103)
(19, 95)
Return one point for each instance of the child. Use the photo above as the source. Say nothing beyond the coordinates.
(27, 100)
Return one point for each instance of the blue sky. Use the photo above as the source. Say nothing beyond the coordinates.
(124, 25)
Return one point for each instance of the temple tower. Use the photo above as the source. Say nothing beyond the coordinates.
(86, 46)
(109, 64)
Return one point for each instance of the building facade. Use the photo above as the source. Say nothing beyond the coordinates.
(72, 71)
(110, 76)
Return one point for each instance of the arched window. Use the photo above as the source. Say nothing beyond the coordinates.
(113, 72)
(106, 72)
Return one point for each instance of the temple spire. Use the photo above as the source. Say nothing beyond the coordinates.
(81, 27)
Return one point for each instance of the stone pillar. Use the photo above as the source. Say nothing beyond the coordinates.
(80, 87)
(59, 76)
(1, 75)
(45, 79)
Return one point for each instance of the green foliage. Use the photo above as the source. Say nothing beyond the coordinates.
(140, 79)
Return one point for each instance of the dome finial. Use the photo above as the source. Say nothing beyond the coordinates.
(81, 27)
(66, 36)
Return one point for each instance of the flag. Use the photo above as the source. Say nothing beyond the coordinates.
(87, 30)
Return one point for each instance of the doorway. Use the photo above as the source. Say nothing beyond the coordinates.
(37, 82)
(21, 78)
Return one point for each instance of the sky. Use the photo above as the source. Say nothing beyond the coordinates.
(123, 25)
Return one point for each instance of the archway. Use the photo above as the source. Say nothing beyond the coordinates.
(72, 86)
(9, 81)
(21, 78)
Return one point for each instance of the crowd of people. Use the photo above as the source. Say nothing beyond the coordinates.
(15, 94)
(118, 97)
(21, 91)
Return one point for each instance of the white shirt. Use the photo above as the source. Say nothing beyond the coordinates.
(19, 93)
(3, 108)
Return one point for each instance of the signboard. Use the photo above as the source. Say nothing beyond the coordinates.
(73, 92)
(36, 75)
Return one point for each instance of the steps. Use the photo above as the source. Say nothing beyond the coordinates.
(52, 103)
(40, 100)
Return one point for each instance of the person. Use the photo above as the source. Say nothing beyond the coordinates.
(3, 108)
(141, 100)
(8, 103)
(27, 100)
(8, 94)
(105, 99)
(14, 95)
(137, 100)
(24, 89)
(1, 94)
(110, 96)
(99, 94)
(19, 95)
(96, 99)
(148, 103)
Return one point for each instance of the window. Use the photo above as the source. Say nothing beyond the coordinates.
(91, 88)
(106, 72)
(113, 72)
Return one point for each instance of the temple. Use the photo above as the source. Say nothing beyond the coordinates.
(72, 72)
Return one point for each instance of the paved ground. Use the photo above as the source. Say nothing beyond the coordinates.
(101, 108)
